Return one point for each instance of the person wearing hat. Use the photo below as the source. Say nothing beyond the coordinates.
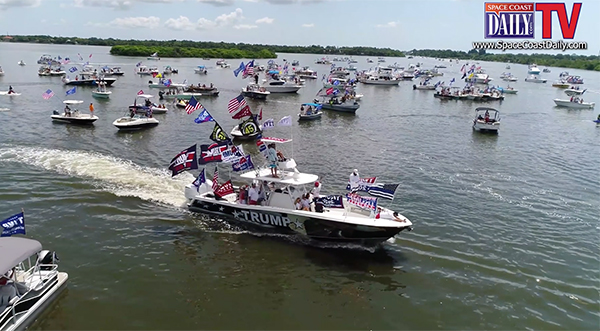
(316, 191)
(354, 180)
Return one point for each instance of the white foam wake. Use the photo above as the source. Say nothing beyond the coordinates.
(114, 175)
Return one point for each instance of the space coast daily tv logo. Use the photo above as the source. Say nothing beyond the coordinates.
(517, 20)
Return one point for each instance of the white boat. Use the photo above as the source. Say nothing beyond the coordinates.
(73, 116)
(310, 112)
(224, 65)
(574, 91)
(486, 119)
(100, 92)
(168, 70)
(21, 63)
(381, 76)
(201, 70)
(339, 104)
(507, 76)
(34, 282)
(424, 86)
(135, 122)
(561, 84)
(146, 104)
(508, 90)
(280, 86)
(574, 102)
(507, 67)
(479, 77)
(164, 84)
(533, 69)
(254, 91)
(147, 71)
(278, 214)
(535, 79)
(306, 73)
(188, 95)
(153, 57)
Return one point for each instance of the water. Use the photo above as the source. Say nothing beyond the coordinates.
(506, 226)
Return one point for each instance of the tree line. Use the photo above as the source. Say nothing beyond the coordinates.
(574, 61)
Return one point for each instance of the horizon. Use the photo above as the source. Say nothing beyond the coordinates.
(357, 24)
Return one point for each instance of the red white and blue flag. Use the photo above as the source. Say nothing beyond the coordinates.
(48, 94)
(243, 163)
(193, 105)
(362, 202)
(225, 189)
(236, 103)
(215, 180)
(185, 160)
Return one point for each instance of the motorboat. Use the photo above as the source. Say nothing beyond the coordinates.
(21, 63)
(201, 70)
(574, 91)
(203, 90)
(507, 76)
(533, 69)
(135, 122)
(10, 93)
(1, 72)
(277, 85)
(85, 80)
(424, 86)
(309, 112)
(146, 105)
(255, 91)
(48, 59)
(147, 71)
(575, 80)
(295, 63)
(187, 95)
(153, 57)
(347, 224)
(479, 77)
(561, 84)
(535, 79)
(306, 73)
(73, 116)
(114, 71)
(381, 76)
(507, 67)
(564, 74)
(181, 103)
(225, 65)
(380, 59)
(100, 92)
(507, 90)
(574, 102)
(165, 84)
(168, 70)
(339, 104)
(32, 284)
(546, 70)
(486, 119)
(49, 71)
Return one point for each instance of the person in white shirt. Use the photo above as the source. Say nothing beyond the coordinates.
(253, 195)
(354, 180)
(305, 202)
(316, 191)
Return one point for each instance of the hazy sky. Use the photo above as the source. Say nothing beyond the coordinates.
(398, 24)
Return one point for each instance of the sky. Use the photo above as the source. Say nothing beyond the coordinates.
(397, 24)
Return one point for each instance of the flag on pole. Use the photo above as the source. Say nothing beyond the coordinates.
(48, 94)
(201, 179)
(204, 117)
(13, 225)
(185, 160)
(72, 91)
(192, 105)
(267, 124)
(260, 114)
(236, 103)
(237, 71)
(90, 56)
(140, 92)
(285, 121)
(215, 180)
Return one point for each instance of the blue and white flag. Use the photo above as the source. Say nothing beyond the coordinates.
(237, 71)
(267, 124)
(243, 163)
(204, 117)
(201, 179)
(13, 225)
(138, 64)
(72, 69)
(386, 191)
(362, 202)
(331, 201)
(72, 91)
(285, 121)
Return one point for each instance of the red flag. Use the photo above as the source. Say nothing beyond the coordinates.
(225, 189)
(215, 180)
(140, 92)
(242, 113)
(260, 114)
(329, 90)
(90, 56)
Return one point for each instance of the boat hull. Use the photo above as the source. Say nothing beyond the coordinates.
(574, 105)
(134, 125)
(101, 95)
(142, 110)
(90, 82)
(341, 108)
(309, 226)
(79, 120)
(391, 82)
(255, 95)
(535, 80)
(424, 87)
(482, 126)
(282, 89)
(310, 117)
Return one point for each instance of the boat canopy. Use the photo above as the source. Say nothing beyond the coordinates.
(275, 140)
(478, 109)
(201, 67)
(73, 102)
(14, 250)
(286, 177)
(145, 96)
(316, 105)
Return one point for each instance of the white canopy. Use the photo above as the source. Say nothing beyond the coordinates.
(14, 250)
(72, 102)
(145, 96)
(285, 177)
(275, 140)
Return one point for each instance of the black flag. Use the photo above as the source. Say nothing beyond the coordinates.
(185, 160)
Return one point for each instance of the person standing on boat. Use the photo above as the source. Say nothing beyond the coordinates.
(316, 191)
(91, 109)
(272, 156)
(10, 90)
(354, 180)
(253, 195)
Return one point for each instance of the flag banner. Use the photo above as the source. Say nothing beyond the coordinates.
(140, 92)
(329, 91)
(90, 56)
(243, 163)
(236, 103)
(219, 152)
(215, 180)
(242, 113)
(192, 105)
(185, 160)
(362, 202)
(363, 184)
(72, 69)
(201, 179)
(267, 124)
(218, 135)
(331, 201)
(249, 69)
(285, 121)
(225, 189)
(262, 148)
(237, 71)
(48, 94)
(385, 191)
(13, 225)
(275, 140)
(204, 117)
(72, 91)
(249, 127)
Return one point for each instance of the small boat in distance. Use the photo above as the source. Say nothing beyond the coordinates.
(21, 63)
(146, 105)
(561, 84)
(135, 122)
(201, 70)
(486, 120)
(73, 116)
(101, 92)
(533, 69)
(535, 79)
(153, 57)
(254, 91)
(309, 112)
(574, 91)
(575, 103)
(32, 282)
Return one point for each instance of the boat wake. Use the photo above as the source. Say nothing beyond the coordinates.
(4, 109)
(120, 177)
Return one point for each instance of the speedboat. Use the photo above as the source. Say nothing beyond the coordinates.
(573, 91)
(132, 123)
(424, 86)
(187, 95)
(561, 84)
(73, 116)
(281, 86)
(507, 76)
(533, 69)
(254, 91)
(546, 70)
(147, 71)
(114, 71)
(153, 57)
(507, 90)
(181, 103)
(34, 282)
(168, 70)
(574, 102)
(203, 90)
(310, 111)
(381, 76)
(201, 70)
(147, 104)
(21, 63)
(346, 224)
(340, 104)
(486, 119)
(165, 84)
(101, 92)
(84, 79)
(535, 79)
(306, 73)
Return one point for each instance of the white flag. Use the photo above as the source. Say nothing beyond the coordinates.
(268, 123)
(285, 121)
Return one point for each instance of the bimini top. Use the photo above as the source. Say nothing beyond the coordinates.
(316, 105)
(145, 96)
(14, 250)
(73, 102)
(478, 109)
(285, 177)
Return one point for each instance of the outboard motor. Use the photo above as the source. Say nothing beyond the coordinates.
(414, 87)
(150, 82)
(47, 257)
(55, 112)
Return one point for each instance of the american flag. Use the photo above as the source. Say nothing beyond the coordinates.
(236, 103)
(48, 94)
(192, 106)
(215, 180)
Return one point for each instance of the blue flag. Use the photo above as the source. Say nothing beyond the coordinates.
(72, 91)
(237, 71)
(204, 117)
(201, 179)
(72, 69)
(243, 163)
(13, 225)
